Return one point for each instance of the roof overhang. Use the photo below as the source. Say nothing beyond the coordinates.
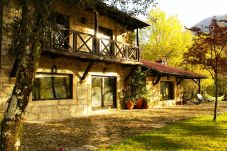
(125, 19)
(158, 69)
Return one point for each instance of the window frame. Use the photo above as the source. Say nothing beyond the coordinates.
(56, 99)
(171, 90)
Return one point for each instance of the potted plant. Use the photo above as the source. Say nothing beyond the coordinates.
(147, 101)
(129, 102)
(138, 81)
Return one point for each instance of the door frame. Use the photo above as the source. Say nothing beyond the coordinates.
(102, 90)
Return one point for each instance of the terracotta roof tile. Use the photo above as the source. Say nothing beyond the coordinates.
(165, 69)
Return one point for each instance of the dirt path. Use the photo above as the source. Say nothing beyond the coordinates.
(105, 129)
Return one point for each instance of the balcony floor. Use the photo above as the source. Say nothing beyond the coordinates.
(87, 56)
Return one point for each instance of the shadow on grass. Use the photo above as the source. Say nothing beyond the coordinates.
(104, 130)
(193, 134)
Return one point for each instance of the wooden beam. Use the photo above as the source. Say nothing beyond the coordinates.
(86, 71)
(96, 32)
(196, 82)
(157, 80)
(179, 80)
(129, 74)
(78, 75)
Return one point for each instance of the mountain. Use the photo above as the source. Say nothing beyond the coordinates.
(206, 22)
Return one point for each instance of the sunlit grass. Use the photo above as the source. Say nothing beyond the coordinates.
(220, 98)
(195, 134)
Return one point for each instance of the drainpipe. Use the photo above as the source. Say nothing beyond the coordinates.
(96, 48)
(137, 43)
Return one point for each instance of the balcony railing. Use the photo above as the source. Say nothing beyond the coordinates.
(79, 43)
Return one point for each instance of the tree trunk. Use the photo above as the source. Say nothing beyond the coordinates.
(32, 34)
(1, 30)
(216, 89)
(216, 99)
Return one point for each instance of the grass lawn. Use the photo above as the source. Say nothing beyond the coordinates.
(199, 133)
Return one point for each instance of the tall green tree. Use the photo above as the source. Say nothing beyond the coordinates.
(31, 28)
(209, 51)
(165, 38)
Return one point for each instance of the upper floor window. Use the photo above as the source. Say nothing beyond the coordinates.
(105, 44)
(61, 20)
(167, 90)
(61, 36)
(52, 86)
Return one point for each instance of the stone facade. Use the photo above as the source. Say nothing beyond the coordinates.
(156, 94)
(81, 90)
(81, 101)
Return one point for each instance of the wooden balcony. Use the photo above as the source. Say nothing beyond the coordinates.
(76, 44)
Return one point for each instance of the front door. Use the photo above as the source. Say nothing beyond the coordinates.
(103, 92)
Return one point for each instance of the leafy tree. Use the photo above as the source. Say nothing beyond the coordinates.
(166, 38)
(31, 26)
(209, 51)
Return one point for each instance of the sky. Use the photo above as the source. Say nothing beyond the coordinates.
(190, 12)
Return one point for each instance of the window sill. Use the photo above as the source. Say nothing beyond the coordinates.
(51, 102)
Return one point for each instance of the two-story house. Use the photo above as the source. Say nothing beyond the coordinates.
(85, 65)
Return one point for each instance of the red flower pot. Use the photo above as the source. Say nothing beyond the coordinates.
(130, 104)
(140, 103)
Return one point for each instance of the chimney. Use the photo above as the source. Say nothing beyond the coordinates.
(161, 61)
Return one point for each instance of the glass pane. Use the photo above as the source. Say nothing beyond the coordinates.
(166, 89)
(61, 87)
(96, 92)
(50, 87)
(46, 89)
(109, 85)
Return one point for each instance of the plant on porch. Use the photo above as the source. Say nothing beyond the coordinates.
(139, 90)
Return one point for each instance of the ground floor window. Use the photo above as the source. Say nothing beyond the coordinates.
(167, 90)
(52, 86)
(103, 92)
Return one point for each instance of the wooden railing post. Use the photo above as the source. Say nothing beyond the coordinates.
(74, 41)
(96, 41)
(126, 52)
(91, 44)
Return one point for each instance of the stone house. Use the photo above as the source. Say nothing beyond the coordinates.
(85, 65)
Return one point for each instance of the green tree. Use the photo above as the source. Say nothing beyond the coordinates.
(165, 38)
(31, 29)
(209, 51)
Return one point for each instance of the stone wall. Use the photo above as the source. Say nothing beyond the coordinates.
(81, 101)
(155, 92)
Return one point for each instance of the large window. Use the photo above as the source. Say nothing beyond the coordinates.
(103, 92)
(52, 87)
(61, 38)
(167, 90)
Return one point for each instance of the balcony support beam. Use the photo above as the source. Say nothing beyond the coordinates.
(129, 74)
(90, 64)
(156, 80)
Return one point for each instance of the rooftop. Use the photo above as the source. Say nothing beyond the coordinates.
(162, 69)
